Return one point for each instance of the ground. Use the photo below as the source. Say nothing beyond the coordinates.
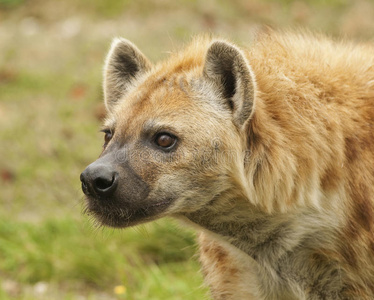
(50, 110)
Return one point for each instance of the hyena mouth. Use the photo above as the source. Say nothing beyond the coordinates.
(118, 197)
(121, 215)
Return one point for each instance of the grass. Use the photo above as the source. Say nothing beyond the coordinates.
(50, 111)
(68, 254)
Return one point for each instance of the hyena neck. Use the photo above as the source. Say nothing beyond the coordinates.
(268, 238)
(277, 242)
(261, 236)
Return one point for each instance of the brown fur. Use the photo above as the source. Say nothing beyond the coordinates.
(274, 163)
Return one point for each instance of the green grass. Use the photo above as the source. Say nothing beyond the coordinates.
(151, 262)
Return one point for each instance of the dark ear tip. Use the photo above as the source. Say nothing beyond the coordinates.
(122, 46)
(220, 47)
(119, 41)
(220, 44)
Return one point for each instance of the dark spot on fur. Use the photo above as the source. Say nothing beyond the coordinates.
(348, 254)
(371, 245)
(330, 179)
(363, 209)
(233, 272)
(365, 214)
(220, 254)
(351, 230)
(351, 148)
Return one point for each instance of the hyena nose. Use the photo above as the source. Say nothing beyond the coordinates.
(99, 180)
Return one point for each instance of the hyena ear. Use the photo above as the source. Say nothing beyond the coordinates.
(228, 70)
(123, 64)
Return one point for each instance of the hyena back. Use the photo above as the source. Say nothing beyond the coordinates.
(268, 151)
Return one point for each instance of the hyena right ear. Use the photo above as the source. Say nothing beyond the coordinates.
(230, 74)
(123, 64)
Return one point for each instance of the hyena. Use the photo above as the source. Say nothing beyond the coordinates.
(267, 150)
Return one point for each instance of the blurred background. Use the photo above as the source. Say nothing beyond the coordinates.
(51, 57)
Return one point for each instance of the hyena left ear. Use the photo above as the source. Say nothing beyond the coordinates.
(228, 70)
(123, 64)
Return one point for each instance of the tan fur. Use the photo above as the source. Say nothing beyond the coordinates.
(281, 186)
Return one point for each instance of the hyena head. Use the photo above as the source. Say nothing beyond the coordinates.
(175, 133)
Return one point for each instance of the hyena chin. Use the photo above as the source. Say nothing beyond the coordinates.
(267, 151)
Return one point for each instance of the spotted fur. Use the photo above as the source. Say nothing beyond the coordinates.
(275, 161)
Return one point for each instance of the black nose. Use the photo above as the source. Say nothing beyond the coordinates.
(99, 180)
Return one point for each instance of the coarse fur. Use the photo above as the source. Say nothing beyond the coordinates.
(273, 165)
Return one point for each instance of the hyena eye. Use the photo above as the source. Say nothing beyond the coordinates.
(165, 140)
(107, 137)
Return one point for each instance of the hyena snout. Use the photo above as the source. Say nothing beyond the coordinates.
(99, 180)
